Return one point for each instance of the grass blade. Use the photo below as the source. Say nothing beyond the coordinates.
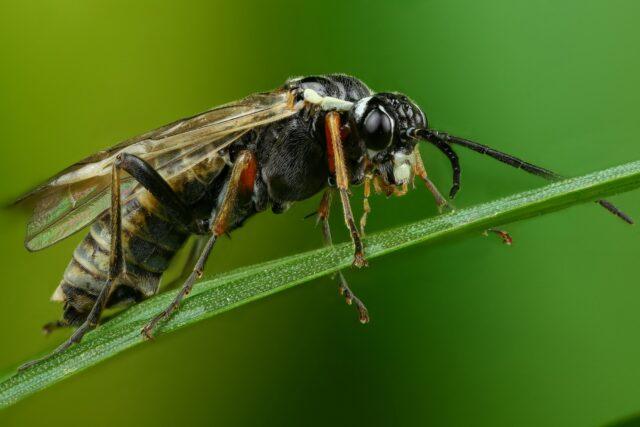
(224, 292)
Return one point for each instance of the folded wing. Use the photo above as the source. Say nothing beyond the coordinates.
(78, 195)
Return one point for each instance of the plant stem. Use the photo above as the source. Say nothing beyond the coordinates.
(222, 293)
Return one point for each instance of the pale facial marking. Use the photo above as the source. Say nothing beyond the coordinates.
(361, 106)
(402, 167)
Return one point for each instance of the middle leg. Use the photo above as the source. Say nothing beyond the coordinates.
(345, 290)
(239, 189)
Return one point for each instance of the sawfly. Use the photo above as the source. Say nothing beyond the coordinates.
(207, 174)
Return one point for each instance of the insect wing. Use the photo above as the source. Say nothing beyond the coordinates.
(78, 195)
(65, 209)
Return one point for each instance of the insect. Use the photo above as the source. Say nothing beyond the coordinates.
(207, 174)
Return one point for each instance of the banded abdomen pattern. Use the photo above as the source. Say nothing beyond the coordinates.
(150, 240)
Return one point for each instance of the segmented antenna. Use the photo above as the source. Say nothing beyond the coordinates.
(455, 164)
(444, 138)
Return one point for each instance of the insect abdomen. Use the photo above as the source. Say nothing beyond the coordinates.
(149, 242)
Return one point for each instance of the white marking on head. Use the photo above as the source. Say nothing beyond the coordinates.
(361, 107)
(402, 166)
(393, 122)
(402, 173)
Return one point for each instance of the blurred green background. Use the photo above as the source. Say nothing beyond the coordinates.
(464, 333)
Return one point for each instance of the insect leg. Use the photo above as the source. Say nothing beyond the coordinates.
(505, 236)
(345, 290)
(195, 249)
(116, 267)
(365, 204)
(378, 186)
(337, 165)
(420, 170)
(432, 135)
(441, 201)
(240, 186)
(153, 182)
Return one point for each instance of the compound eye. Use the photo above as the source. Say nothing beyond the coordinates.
(377, 130)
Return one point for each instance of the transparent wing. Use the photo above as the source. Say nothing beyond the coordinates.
(75, 197)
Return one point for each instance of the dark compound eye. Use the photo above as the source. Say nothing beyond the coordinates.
(377, 130)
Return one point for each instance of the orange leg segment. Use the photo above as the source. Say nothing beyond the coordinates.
(239, 189)
(337, 163)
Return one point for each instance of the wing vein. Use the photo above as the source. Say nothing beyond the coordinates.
(78, 195)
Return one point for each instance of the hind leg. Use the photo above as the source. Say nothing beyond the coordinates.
(160, 189)
(240, 189)
(77, 305)
(116, 263)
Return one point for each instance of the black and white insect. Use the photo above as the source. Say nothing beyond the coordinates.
(207, 174)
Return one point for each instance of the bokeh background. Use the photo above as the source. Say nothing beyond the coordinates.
(464, 333)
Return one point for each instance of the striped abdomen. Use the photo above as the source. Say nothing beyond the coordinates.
(150, 240)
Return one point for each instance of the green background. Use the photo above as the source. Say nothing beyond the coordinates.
(466, 332)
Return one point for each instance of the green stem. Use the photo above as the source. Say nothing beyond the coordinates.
(218, 294)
